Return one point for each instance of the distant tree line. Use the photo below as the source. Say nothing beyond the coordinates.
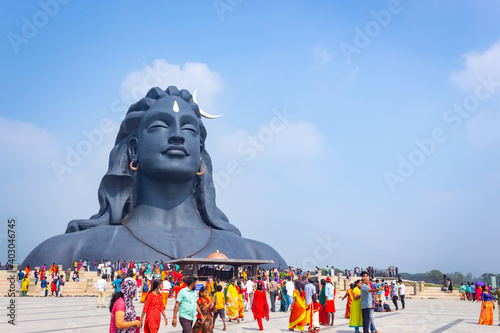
(436, 276)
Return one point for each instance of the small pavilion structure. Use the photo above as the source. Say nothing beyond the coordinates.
(191, 266)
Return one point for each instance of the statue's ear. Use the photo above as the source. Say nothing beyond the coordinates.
(132, 148)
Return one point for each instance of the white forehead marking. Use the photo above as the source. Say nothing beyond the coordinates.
(176, 107)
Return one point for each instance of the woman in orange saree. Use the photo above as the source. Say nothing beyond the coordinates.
(27, 271)
(52, 269)
(145, 290)
(487, 307)
(298, 309)
(348, 294)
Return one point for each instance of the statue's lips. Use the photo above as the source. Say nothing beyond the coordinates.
(176, 150)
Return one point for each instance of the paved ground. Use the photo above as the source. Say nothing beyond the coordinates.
(79, 314)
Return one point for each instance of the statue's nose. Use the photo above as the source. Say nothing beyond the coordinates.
(176, 139)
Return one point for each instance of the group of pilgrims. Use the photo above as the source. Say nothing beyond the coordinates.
(310, 302)
(229, 302)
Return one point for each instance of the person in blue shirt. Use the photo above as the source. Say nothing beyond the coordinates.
(378, 295)
(43, 286)
(116, 283)
(394, 292)
(462, 292)
(473, 292)
(20, 277)
(367, 301)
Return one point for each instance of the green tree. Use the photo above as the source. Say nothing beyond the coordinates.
(434, 276)
(486, 277)
(457, 277)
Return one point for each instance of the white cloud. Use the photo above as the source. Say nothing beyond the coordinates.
(482, 69)
(277, 174)
(281, 143)
(31, 191)
(161, 74)
(321, 55)
(479, 64)
(19, 139)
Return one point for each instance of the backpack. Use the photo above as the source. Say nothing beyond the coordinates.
(145, 288)
(387, 308)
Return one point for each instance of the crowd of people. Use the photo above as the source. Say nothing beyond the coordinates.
(479, 292)
(50, 280)
(309, 300)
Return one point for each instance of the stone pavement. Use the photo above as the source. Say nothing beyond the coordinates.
(79, 314)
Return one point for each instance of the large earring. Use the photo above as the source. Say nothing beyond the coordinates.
(199, 173)
(134, 165)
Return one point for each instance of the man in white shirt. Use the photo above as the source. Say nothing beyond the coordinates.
(100, 269)
(289, 291)
(108, 273)
(100, 285)
(402, 294)
(165, 291)
(250, 291)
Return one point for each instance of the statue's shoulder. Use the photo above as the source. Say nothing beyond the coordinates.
(65, 248)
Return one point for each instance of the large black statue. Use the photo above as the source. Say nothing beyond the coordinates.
(157, 199)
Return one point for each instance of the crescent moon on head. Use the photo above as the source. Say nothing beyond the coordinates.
(203, 113)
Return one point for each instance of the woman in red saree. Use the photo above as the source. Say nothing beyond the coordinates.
(348, 294)
(153, 309)
(479, 291)
(323, 316)
(298, 309)
(42, 272)
(260, 308)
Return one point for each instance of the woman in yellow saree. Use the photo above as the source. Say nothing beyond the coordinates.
(209, 286)
(298, 309)
(241, 303)
(232, 308)
(356, 318)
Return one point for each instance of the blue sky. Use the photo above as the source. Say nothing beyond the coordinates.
(372, 164)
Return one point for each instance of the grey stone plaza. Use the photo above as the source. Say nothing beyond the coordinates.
(79, 314)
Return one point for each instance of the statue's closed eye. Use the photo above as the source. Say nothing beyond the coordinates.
(157, 124)
(189, 127)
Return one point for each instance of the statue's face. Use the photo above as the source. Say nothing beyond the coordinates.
(169, 145)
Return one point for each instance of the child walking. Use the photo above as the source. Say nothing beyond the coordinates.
(220, 306)
(315, 308)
